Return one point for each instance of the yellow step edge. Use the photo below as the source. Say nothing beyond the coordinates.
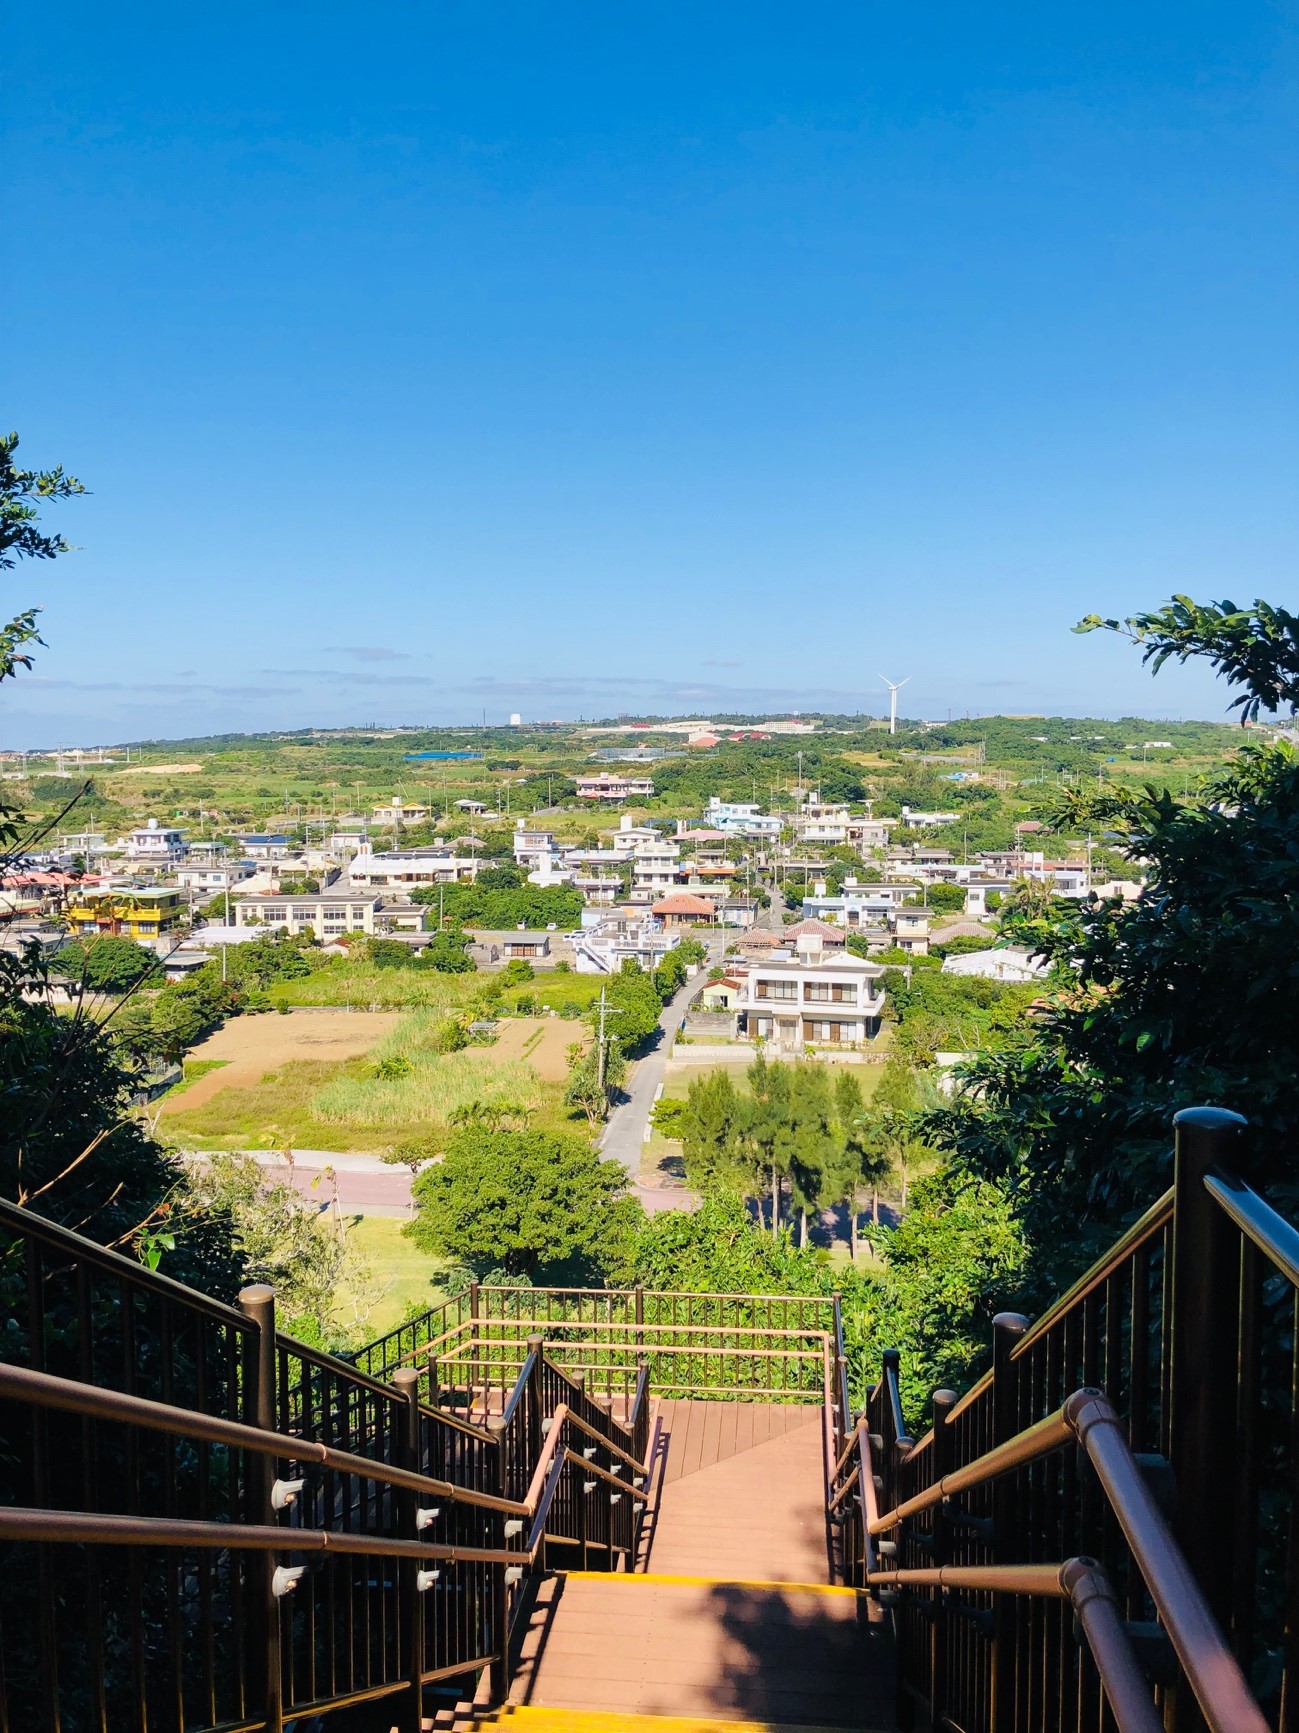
(625, 1578)
(615, 1721)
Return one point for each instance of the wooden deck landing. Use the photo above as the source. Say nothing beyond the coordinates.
(729, 1618)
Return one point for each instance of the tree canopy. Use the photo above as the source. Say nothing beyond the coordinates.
(530, 1203)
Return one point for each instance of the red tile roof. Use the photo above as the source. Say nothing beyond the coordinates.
(682, 903)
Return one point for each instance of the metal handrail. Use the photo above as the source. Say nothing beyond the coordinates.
(1080, 1581)
(44, 1390)
(1258, 1221)
(1089, 1418)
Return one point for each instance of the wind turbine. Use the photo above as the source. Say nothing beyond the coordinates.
(894, 686)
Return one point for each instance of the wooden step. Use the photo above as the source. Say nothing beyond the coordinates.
(605, 1721)
(696, 1650)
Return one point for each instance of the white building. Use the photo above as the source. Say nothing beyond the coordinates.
(927, 820)
(532, 847)
(412, 866)
(654, 868)
(155, 844)
(811, 998)
(609, 786)
(740, 818)
(217, 876)
(328, 915)
(1013, 963)
(605, 942)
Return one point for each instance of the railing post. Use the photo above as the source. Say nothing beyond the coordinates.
(583, 1525)
(1007, 1508)
(944, 1460)
(534, 1399)
(258, 1304)
(1204, 1333)
(473, 1352)
(406, 1380)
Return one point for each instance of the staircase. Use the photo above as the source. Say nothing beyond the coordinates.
(728, 1623)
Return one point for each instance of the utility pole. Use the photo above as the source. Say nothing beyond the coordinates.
(606, 1010)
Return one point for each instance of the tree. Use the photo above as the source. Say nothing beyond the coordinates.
(527, 1202)
(585, 1091)
(864, 1160)
(517, 971)
(1256, 648)
(106, 964)
(389, 954)
(1187, 994)
(715, 1128)
(22, 539)
(447, 953)
(632, 996)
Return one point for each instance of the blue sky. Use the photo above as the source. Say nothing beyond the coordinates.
(573, 359)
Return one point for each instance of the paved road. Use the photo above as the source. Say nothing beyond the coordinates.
(624, 1135)
(366, 1185)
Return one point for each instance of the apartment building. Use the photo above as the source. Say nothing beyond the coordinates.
(126, 914)
(411, 866)
(811, 998)
(329, 914)
(155, 844)
(607, 785)
(654, 869)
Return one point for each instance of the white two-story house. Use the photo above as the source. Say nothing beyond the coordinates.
(811, 998)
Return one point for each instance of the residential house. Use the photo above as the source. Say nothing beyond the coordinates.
(915, 820)
(723, 995)
(682, 910)
(811, 998)
(830, 937)
(399, 811)
(608, 785)
(209, 881)
(741, 818)
(654, 869)
(1012, 963)
(265, 845)
(909, 930)
(533, 847)
(156, 845)
(606, 941)
(125, 913)
(412, 866)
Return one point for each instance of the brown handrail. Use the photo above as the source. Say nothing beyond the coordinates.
(1144, 1228)
(1037, 1440)
(1084, 1583)
(1087, 1416)
(1205, 1658)
(1258, 1221)
(101, 1528)
(43, 1389)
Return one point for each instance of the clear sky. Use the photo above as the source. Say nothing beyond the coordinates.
(581, 358)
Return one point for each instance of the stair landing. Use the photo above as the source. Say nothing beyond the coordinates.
(783, 1655)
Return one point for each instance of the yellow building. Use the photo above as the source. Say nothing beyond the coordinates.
(128, 914)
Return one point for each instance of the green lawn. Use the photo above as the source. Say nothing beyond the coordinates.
(404, 1275)
(193, 1070)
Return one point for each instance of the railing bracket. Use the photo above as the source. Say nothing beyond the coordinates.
(285, 1493)
(427, 1516)
(286, 1579)
(424, 1580)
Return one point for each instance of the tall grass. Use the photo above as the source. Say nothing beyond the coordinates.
(434, 1087)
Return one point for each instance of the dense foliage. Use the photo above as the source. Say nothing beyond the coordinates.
(537, 1204)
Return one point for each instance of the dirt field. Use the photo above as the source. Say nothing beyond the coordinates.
(547, 1057)
(258, 1044)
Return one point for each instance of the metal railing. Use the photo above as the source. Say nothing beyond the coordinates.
(207, 1524)
(763, 1347)
(1136, 1446)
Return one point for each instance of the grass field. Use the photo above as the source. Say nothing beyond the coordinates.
(406, 1277)
(274, 1092)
